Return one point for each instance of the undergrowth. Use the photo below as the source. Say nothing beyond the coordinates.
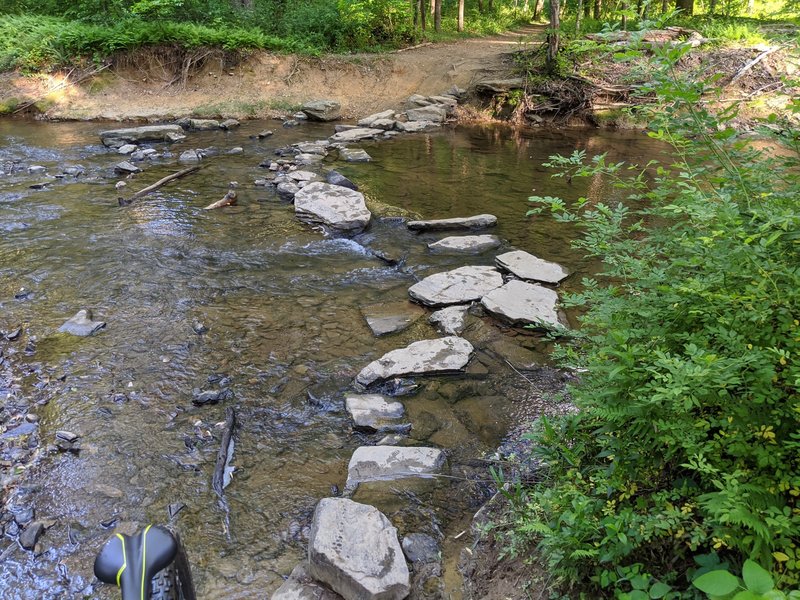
(684, 457)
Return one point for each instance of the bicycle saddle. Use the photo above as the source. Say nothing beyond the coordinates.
(132, 561)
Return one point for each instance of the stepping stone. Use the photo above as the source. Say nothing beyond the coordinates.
(475, 222)
(333, 205)
(322, 110)
(389, 463)
(522, 303)
(116, 138)
(451, 320)
(431, 113)
(368, 121)
(415, 126)
(441, 355)
(466, 244)
(373, 413)
(354, 135)
(391, 317)
(81, 324)
(354, 155)
(459, 286)
(529, 267)
(354, 549)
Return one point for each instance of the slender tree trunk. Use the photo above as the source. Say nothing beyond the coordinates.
(527, 6)
(537, 9)
(437, 16)
(433, 7)
(624, 15)
(480, 6)
(552, 36)
(460, 15)
(578, 16)
(597, 11)
(712, 7)
(687, 6)
(664, 6)
(587, 9)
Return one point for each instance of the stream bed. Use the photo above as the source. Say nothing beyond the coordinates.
(274, 308)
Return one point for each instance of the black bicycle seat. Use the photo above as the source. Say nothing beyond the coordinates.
(131, 561)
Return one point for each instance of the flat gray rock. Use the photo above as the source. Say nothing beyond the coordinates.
(475, 222)
(203, 124)
(529, 267)
(126, 167)
(440, 355)
(116, 138)
(451, 320)
(322, 110)
(368, 121)
(81, 324)
(374, 413)
(304, 176)
(300, 586)
(354, 549)
(385, 124)
(391, 317)
(523, 303)
(459, 286)
(421, 548)
(414, 126)
(354, 155)
(320, 148)
(389, 463)
(465, 244)
(332, 205)
(432, 113)
(354, 135)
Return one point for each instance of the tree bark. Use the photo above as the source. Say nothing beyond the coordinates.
(597, 11)
(460, 15)
(624, 15)
(437, 16)
(687, 6)
(537, 9)
(578, 16)
(664, 6)
(552, 36)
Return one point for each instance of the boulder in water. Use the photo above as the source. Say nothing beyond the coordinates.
(81, 324)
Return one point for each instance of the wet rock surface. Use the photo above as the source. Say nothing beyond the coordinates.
(522, 303)
(529, 267)
(455, 223)
(466, 244)
(441, 355)
(332, 205)
(82, 324)
(374, 413)
(459, 286)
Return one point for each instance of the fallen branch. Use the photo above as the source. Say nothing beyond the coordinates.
(225, 453)
(158, 184)
(752, 64)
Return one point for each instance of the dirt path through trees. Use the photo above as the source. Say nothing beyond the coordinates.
(149, 84)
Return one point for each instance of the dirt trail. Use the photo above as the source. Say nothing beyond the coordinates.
(139, 86)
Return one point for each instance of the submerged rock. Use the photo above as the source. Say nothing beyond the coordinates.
(459, 286)
(475, 222)
(354, 549)
(466, 244)
(527, 266)
(391, 317)
(387, 463)
(523, 303)
(354, 135)
(373, 413)
(332, 205)
(441, 355)
(81, 324)
(116, 138)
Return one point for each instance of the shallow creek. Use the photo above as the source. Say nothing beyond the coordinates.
(283, 304)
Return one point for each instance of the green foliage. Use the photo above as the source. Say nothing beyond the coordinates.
(686, 440)
(756, 584)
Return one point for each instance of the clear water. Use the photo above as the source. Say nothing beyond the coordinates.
(283, 303)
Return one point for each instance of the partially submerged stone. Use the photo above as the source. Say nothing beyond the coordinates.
(529, 267)
(414, 126)
(374, 413)
(522, 303)
(332, 205)
(466, 244)
(440, 355)
(475, 222)
(81, 324)
(322, 110)
(432, 113)
(354, 135)
(451, 320)
(459, 286)
(116, 138)
(368, 121)
(389, 463)
(354, 549)
(391, 317)
(354, 155)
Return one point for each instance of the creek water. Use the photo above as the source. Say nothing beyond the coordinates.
(283, 303)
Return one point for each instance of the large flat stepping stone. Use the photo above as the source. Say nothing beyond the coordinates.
(459, 286)
(356, 134)
(523, 303)
(391, 317)
(451, 320)
(476, 222)
(529, 267)
(465, 244)
(332, 205)
(441, 355)
(116, 138)
(388, 463)
(300, 586)
(354, 549)
(322, 110)
(374, 413)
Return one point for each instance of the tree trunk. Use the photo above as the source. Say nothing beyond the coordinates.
(578, 16)
(552, 36)
(597, 7)
(423, 17)
(624, 15)
(687, 6)
(437, 16)
(480, 6)
(460, 15)
(537, 9)
(664, 6)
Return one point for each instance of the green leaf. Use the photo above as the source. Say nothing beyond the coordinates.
(756, 578)
(747, 595)
(659, 590)
(638, 595)
(716, 583)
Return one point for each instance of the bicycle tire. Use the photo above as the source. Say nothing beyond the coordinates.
(164, 585)
(175, 581)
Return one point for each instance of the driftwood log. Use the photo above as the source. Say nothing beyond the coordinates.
(158, 184)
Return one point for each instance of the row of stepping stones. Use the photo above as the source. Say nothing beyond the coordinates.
(354, 549)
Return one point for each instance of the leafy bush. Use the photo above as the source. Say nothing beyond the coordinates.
(688, 436)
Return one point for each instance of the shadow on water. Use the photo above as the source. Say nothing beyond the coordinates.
(282, 303)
